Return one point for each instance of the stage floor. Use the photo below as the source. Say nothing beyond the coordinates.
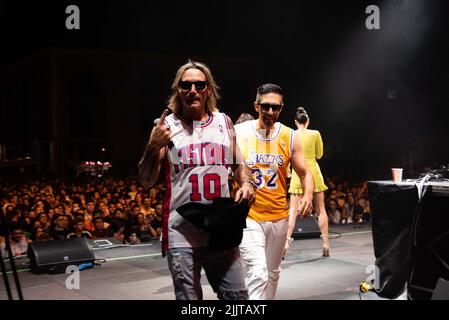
(140, 272)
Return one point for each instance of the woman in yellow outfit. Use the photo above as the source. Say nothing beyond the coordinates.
(312, 147)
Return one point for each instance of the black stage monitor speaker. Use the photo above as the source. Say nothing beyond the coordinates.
(306, 228)
(55, 255)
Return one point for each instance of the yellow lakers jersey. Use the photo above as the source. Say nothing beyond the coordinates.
(269, 160)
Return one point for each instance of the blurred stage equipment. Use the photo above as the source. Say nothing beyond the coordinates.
(410, 224)
(441, 291)
(93, 168)
(442, 172)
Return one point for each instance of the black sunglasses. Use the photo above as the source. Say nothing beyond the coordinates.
(266, 106)
(187, 85)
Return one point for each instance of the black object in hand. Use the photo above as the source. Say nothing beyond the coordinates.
(223, 219)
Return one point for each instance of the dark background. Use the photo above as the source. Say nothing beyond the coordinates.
(378, 97)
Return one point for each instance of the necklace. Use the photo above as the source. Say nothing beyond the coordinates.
(199, 132)
(201, 127)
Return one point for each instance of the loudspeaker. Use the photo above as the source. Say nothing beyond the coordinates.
(54, 256)
(306, 228)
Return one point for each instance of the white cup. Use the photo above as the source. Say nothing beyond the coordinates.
(396, 174)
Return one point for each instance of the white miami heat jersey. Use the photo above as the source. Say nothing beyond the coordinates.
(195, 170)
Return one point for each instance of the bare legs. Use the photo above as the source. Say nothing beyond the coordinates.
(293, 213)
(318, 202)
(323, 223)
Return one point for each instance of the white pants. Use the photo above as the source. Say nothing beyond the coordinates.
(261, 250)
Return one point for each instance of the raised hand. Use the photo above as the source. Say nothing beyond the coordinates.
(160, 135)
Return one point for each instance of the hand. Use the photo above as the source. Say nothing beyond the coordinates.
(245, 193)
(305, 206)
(288, 242)
(160, 136)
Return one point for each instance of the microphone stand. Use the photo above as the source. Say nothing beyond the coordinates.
(12, 262)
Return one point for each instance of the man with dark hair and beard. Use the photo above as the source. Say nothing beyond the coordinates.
(268, 148)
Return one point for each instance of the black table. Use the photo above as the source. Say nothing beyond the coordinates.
(410, 236)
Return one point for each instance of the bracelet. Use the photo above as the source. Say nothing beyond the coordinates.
(290, 240)
(252, 183)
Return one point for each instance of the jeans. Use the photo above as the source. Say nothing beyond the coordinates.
(223, 270)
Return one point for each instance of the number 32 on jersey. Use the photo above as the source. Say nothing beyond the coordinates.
(265, 177)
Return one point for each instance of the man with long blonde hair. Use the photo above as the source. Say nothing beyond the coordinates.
(194, 146)
(175, 103)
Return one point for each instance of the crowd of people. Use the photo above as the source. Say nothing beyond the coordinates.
(347, 203)
(43, 209)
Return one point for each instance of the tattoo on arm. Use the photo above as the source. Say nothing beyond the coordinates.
(243, 174)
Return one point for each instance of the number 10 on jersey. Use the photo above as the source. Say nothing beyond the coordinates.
(211, 186)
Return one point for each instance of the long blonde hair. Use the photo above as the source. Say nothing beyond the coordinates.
(175, 103)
